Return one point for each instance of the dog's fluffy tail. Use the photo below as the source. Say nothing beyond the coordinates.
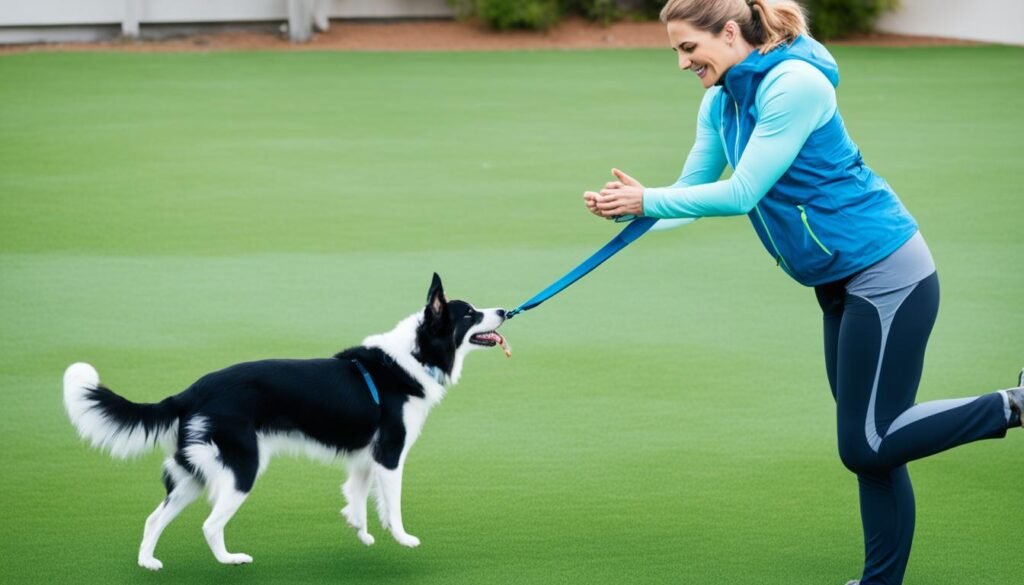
(113, 423)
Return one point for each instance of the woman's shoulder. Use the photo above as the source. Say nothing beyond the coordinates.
(794, 74)
(797, 84)
(797, 68)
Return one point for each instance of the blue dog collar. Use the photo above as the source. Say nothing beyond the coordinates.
(436, 373)
(369, 381)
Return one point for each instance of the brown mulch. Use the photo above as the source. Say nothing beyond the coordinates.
(434, 35)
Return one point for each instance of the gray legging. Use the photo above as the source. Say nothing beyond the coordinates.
(876, 329)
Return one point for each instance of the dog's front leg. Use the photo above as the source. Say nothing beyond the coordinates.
(356, 490)
(390, 483)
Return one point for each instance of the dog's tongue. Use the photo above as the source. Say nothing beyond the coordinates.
(498, 340)
(504, 345)
(501, 341)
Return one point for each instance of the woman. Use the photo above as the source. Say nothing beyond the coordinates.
(829, 222)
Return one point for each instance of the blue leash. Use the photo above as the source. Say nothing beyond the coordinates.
(627, 236)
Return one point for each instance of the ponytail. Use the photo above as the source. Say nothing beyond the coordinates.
(779, 23)
(762, 24)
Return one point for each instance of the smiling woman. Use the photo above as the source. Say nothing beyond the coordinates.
(830, 222)
(711, 36)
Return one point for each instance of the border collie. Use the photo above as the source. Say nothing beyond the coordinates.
(366, 405)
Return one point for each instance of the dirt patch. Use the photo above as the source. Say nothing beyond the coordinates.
(434, 35)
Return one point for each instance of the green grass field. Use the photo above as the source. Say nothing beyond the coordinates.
(666, 420)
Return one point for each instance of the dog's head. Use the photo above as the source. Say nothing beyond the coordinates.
(451, 329)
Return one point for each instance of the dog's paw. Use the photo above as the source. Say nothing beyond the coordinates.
(150, 563)
(407, 540)
(236, 559)
(366, 538)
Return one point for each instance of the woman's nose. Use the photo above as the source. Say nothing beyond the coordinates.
(684, 62)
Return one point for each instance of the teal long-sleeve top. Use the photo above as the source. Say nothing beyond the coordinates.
(792, 101)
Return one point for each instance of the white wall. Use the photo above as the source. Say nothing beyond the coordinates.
(998, 21)
(78, 12)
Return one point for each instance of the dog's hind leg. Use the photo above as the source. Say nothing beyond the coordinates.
(390, 483)
(356, 490)
(227, 502)
(182, 490)
(228, 465)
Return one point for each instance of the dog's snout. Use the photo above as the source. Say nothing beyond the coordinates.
(501, 313)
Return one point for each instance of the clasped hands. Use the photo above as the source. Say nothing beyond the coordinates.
(622, 197)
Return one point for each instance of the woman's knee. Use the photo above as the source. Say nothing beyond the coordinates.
(858, 456)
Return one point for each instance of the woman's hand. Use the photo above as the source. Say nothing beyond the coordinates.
(622, 197)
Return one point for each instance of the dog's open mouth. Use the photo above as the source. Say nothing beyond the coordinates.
(490, 339)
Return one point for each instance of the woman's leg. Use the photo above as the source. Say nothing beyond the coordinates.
(887, 515)
(880, 354)
(887, 499)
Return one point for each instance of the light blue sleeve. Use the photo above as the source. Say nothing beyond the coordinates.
(793, 100)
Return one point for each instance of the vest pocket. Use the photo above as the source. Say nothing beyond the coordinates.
(812, 259)
(810, 231)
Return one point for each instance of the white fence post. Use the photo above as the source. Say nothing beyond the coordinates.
(300, 20)
(130, 24)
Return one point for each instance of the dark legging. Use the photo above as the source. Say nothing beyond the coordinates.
(874, 352)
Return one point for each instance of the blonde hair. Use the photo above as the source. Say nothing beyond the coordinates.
(762, 24)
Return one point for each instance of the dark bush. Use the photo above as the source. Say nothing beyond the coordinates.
(829, 18)
(646, 8)
(529, 14)
(839, 18)
(543, 14)
(603, 11)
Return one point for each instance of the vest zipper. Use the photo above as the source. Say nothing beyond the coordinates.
(807, 224)
(779, 260)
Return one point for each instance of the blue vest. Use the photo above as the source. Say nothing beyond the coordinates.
(829, 215)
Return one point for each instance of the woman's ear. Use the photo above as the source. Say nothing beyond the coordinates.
(731, 32)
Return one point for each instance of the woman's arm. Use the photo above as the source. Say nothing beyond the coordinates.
(704, 164)
(794, 100)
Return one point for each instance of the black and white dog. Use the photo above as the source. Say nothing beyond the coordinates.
(222, 430)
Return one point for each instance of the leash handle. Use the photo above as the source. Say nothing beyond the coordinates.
(627, 236)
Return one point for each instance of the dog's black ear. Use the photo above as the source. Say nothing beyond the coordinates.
(436, 303)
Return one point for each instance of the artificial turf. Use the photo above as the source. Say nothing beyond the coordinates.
(666, 420)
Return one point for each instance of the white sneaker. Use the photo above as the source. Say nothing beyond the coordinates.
(853, 583)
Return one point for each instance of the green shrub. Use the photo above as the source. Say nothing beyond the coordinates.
(838, 18)
(829, 18)
(543, 14)
(603, 11)
(529, 14)
(648, 8)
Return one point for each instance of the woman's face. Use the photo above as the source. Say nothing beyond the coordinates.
(708, 55)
